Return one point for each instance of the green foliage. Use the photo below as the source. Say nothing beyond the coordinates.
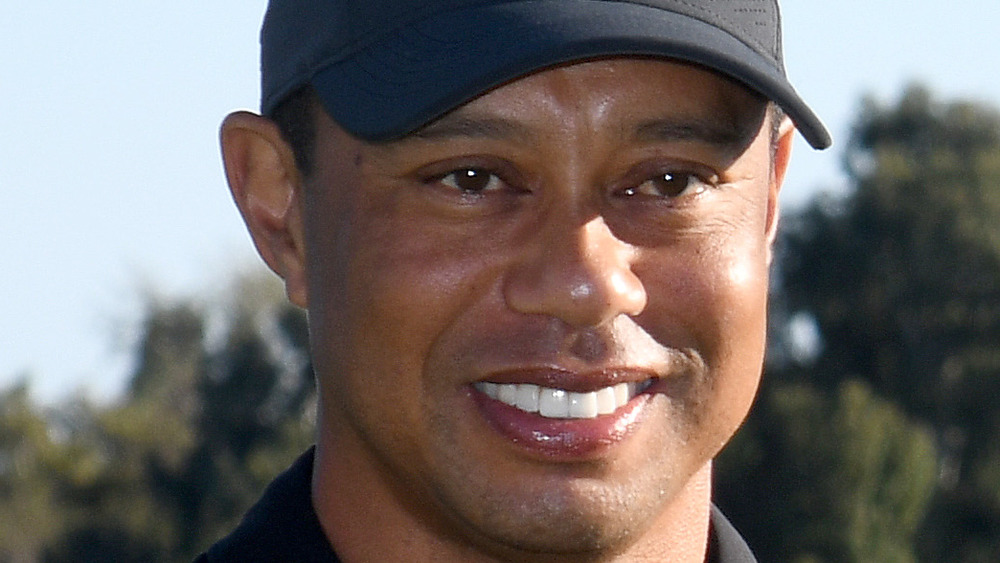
(881, 447)
(842, 479)
(206, 423)
(29, 515)
(902, 278)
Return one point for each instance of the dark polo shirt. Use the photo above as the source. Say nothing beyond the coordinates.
(282, 527)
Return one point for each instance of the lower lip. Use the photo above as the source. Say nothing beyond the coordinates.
(561, 439)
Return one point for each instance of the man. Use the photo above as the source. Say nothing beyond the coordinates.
(533, 241)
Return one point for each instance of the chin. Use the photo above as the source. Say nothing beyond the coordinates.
(581, 518)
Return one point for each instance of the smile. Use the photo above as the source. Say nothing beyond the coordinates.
(561, 404)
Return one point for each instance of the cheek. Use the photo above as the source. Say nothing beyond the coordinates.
(713, 302)
(739, 306)
(407, 286)
(407, 293)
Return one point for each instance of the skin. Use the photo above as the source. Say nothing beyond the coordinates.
(574, 257)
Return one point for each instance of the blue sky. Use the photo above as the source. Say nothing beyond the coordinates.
(111, 187)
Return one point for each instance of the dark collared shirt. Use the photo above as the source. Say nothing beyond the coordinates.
(283, 527)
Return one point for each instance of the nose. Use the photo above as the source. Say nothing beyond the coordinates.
(579, 273)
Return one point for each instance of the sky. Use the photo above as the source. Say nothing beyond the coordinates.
(111, 188)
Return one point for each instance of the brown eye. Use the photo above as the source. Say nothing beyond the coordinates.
(668, 185)
(471, 180)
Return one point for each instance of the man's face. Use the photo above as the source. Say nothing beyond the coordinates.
(590, 241)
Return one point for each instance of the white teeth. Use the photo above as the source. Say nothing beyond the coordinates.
(507, 394)
(621, 392)
(606, 403)
(527, 397)
(488, 389)
(582, 405)
(553, 403)
(559, 403)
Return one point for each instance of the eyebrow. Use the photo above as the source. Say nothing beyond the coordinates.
(696, 130)
(657, 130)
(460, 125)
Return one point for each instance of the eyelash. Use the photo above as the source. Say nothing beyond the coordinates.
(488, 179)
(691, 180)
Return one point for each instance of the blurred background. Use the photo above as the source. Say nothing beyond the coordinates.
(152, 379)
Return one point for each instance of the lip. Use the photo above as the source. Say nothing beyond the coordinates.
(564, 440)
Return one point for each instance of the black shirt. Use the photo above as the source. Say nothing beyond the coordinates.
(283, 527)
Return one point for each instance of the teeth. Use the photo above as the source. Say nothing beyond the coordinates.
(583, 405)
(527, 397)
(553, 403)
(507, 394)
(621, 393)
(606, 402)
(559, 403)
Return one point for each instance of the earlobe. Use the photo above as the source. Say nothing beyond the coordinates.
(264, 182)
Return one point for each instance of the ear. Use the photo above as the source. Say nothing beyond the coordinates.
(779, 165)
(265, 183)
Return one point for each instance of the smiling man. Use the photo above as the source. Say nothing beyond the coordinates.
(533, 240)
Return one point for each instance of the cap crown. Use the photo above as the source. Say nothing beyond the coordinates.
(384, 68)
(327, 31)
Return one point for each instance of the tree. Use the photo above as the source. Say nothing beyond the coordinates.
(902, 279)
(29, 515)
(817, 478)
(878, 445)
(220, 401)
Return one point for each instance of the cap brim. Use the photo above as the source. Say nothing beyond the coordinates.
(404, 80)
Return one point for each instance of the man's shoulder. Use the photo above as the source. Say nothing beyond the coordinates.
(282, 526)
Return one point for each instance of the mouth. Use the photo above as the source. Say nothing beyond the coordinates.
(555, 403)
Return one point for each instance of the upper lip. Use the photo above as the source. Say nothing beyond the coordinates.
(571, 380)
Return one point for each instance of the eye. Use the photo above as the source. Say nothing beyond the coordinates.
(472, 180)
(668, 185)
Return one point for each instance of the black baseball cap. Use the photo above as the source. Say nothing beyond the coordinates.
(385, 68)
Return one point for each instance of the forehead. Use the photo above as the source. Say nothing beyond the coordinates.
(627, 81)
(626, 98)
